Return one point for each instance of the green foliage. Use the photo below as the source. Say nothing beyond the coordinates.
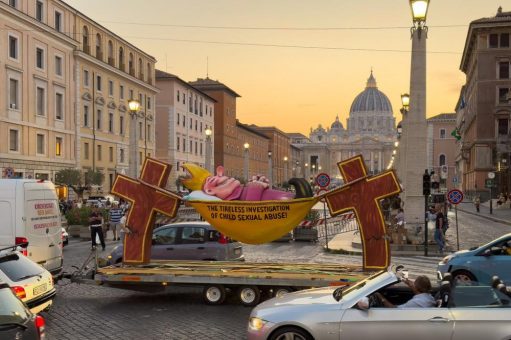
(80, 216)
(94, 177)
(71, 177)
(312, 215)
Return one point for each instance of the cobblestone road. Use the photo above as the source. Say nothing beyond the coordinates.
(94, 312)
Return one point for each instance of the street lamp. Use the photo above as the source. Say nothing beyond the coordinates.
(208, 133)
(246, 146)
(313, 166)
(270, 168)
(134, 107)
(285, 168)
(306, 170)
(405, 101)
(419, 11)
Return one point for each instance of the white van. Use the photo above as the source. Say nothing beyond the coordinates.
(29, 212)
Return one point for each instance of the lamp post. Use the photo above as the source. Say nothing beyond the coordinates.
(207, 161)
(306, 170)
(285, 169)
(246, 146)
(297, 172)
(270, 169)
(413, 149)
(134, 107)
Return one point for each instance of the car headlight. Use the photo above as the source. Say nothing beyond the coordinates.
(256, 324)
(446, 259)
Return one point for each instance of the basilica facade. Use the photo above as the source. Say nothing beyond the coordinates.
(370, 131)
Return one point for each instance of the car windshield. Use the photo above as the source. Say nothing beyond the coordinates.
(341, 292)
(12, 310)
(17, 267)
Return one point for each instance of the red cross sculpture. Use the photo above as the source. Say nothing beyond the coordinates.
(362, 195)
(147, 197)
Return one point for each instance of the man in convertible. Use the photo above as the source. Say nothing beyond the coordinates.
(422, 298)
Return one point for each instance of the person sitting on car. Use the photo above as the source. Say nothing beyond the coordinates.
(422, 298)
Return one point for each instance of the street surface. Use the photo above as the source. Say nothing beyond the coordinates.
(94, 312)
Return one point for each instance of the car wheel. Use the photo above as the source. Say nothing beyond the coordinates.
(249, 295)
(463, 277)
(279, 291)
(294, 333)
(214, 294)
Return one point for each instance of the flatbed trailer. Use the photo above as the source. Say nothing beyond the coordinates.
(249, 280)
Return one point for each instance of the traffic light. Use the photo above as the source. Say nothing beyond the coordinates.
(426, 183)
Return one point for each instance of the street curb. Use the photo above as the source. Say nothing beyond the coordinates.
(491, 218)
(341, 251)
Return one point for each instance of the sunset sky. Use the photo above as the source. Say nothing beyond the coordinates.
(296, 88)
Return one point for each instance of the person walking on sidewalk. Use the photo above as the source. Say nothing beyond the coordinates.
(96, 227)
(439, 233)
(477, 202)
(115, 217)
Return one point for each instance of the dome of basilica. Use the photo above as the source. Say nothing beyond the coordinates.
(371, 99)
(337, 125)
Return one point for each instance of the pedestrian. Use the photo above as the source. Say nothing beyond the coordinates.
(400, 218)
(439, 223)
(477, 202)
(96, 223)
(123, 228)
(115, 216)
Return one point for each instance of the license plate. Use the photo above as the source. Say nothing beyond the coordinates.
(237, 251)
(40, 289)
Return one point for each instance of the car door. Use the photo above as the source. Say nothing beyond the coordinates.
(397, 323)
(164, 244)
(500, 262)
(193, 243)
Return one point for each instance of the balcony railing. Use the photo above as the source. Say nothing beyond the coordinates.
(99, 55)
(86, 49)
(111, 61)
(132, 71)
(122, 67)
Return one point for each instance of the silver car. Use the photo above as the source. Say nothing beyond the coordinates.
(474, 312)
(188, 241)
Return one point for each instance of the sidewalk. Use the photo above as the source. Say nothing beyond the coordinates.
(501, 214)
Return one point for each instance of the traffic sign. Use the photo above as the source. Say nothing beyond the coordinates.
(8, 172)
(455, 179)
(323, 180)
(455, 196)
(491, 175)
(489, 183)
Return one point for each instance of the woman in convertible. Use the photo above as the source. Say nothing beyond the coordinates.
(422, 298)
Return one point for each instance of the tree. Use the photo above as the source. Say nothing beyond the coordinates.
(74, 179)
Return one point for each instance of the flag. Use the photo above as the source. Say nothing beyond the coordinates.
(456, 134)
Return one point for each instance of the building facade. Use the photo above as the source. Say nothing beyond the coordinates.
(483, 110)
(69, 81)
(183, 114)
(442, 148)
(370, 132)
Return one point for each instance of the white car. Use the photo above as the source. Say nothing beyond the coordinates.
(29, 281)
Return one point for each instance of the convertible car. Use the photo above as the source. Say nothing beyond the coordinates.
(462, 312)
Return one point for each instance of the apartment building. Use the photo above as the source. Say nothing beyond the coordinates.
(184, 116)
(69, 80)
(442, 149)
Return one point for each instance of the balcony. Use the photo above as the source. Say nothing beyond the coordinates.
(111, 61)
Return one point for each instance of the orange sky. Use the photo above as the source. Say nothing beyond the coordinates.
(289, 87)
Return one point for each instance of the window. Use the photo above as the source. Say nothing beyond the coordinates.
(110, 122)
(191, 123)
(165, 236)
(58, 65)
(13, 3)
(58, 21)
(178, 95)
(504, 40)
(39, 10)
(98, 120)
(86, 150)
(504, 70)
(13, 47)
(196, 149)
(14, 140)
(498, 40)
(503, 126)
(58, 146)
(59, 106)
(148, 132)
(111, 154)
(149, 103)
(85, 40)
(98, 83)
(140, 158)
(121, 92)
(192, 235)
(40, 101)
(85, 78)
(200, 126)
(178, 116)
(39, 58)
(110, 88)
(503, 95)
(86, 116)
(494, 41)
(99, 50)
(131, 94)
(184, 144)
(201, 148)
(13, 94)
(100, 149)
(140, 130)
(122, 155)
(121, 125)
(441, 160)
(196, 125)
(191, 147)
(177, 144)
(40, 144)
(442, 133)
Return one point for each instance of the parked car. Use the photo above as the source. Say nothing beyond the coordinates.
(16, 320)
(479, 264)
(32, 283)
(65, 237)
(188, 241)
(473, 312)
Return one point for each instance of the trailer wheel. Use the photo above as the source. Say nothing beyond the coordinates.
(214, 294)
(249, 295)
(279, 291)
